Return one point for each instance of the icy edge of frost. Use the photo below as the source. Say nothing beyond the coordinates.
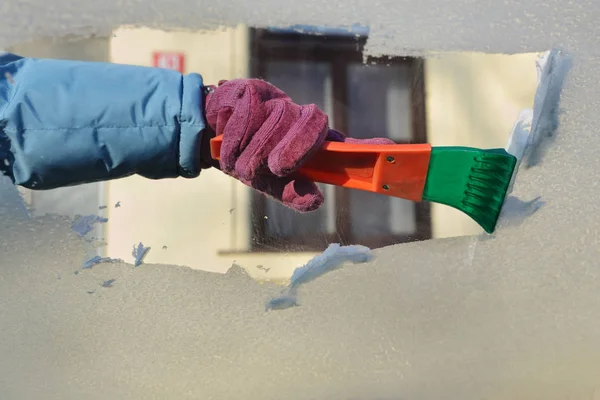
(334, 257)
(534, 130)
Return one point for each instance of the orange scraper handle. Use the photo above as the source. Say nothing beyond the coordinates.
(398, 170)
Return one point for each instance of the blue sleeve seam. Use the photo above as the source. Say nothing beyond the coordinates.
(180, 124)
(182, 85)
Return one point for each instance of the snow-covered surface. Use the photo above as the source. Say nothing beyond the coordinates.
(512, 316)
(334, 257)
(99, 260)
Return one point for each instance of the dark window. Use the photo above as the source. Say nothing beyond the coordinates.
(382, 97)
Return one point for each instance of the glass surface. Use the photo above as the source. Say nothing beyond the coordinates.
(156, 289)
(379, 101)
(306, 83)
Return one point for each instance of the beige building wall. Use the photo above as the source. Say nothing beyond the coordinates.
(90, 49)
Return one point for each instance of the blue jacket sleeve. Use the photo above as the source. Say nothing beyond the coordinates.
(64, 123)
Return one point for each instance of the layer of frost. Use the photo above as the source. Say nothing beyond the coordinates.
(334, 257)
(99, 260)
(139, 253)
(552, 73)
(534, 129)
(84, 225)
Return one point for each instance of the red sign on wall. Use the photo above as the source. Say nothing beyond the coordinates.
(174, 61)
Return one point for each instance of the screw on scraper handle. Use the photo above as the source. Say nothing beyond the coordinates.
(397, 170)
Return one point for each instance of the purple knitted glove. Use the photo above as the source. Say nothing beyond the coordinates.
(266, 137)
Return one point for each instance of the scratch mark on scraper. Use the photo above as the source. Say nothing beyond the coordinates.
(139, 253)
(334, 257)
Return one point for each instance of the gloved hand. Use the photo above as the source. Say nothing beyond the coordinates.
(266, 137)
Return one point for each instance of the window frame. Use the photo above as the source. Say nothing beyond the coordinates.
(339, 52)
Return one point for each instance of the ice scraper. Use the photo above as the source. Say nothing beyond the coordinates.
(474, 181)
